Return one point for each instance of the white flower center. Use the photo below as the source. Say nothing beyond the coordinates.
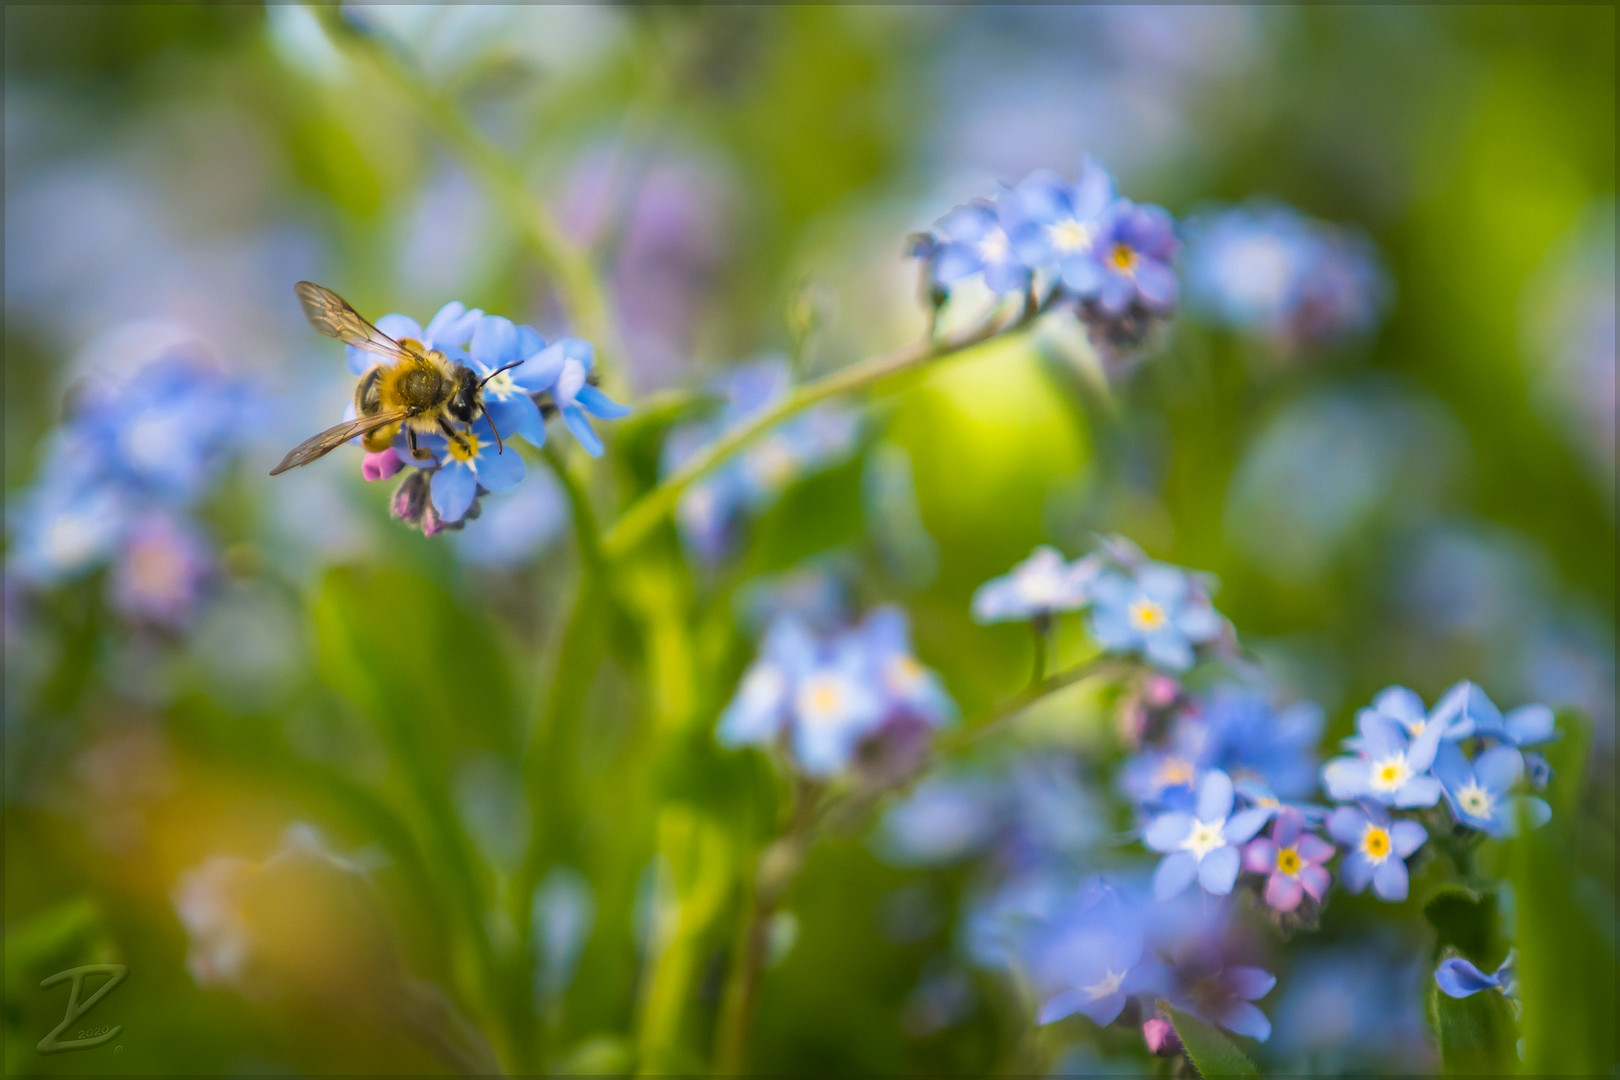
(1069, 236)
(994, 247)
(501, 386)
(1108, 984)
(1204, 838)
(1388, 774)
(1475, 800)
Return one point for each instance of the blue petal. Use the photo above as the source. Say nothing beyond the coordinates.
(1218, 871)
(1167, 831)
(1104, 1010)
(494, 342)
(1249, 982)
(599, 404)
(1244, 824)
(1499, 768)
(1175, 872)
(400, 326)
(1168, 649)
(1242, 1018)
(1529, 724)
(1356, 871)
(1418, 791)
(500, 472)
(1062, 1005)
(453, 488)
(1215, 796)
(1459, 979)
(1345, 778)
(574, 417)
(518, 415)
(1390, 880)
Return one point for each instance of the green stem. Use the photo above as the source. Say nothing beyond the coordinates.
(776, 871)
(576, 277)
(645, 513)
(973, 730)
(1041, 626)
(586, 532)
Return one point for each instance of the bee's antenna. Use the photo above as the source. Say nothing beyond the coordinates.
(497, 371)
(499, 449)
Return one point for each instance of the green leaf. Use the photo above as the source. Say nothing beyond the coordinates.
(1565, 937)
(1477, 1034)
(1467, 921)
(1211, 1052)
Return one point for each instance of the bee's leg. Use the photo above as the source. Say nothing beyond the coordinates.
(453, 435)
(416, 451)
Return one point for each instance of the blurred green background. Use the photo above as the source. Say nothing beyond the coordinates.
(171, 170)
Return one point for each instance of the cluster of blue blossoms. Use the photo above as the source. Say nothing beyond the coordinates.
(1264, 268)
(1109, 256)
(833, 701)
(121, 481)
(444, 490)
(1135, 606)
(711, 513)
(1222, 781)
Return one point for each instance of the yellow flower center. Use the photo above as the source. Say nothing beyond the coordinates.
(1123, 258)
(465, 447)
(1146, 615)
(1375, 843)
(1390, 773)
(1288, 861)
(905, 673)
(1175, 771)
(1070, 236)
(820, 700)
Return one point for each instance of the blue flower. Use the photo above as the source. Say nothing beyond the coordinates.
(826, 697)
(1389, 767)
(575, 397)
(1041, 585)
(884, 639)
(1268, 269)
(1468, 710)
(1460, 979)
(1452, 715)
(760, 710)
(449, 331)
(1166, 777)
(1091, 957)
(1200, 844)
(509, 395)
(513, 530)
(163, 566)
(943, 819)
(1222, 994)
(1058, 224)
(468, 464)
(1154, 609)
(977, 242)
(1480, 792)
(1376, 848)
(1253, 741)
(61, 531)
(1130, 262)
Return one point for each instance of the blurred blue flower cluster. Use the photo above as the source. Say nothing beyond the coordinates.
(1136, 606)
(120, 483)
(524, 377)
(1266, 269)
(1108, 256)
(710, 513)
(822, 699)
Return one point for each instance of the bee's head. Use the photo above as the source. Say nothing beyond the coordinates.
(463, 404)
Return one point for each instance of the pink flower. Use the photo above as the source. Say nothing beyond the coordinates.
(1292, 858)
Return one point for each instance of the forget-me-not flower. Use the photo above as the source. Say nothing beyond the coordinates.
(1091, 956)
(1130, 263)
(1153, 609)
(576, 398)
(1470, 710)
(1059, 223)
(1042, 585)
(1389, 767)
(1201, 844)
(1221, 994)
(466, 464)
(1376, 848)
(1480, 792)
(509, 395)
(977, 241)
(1291, 858)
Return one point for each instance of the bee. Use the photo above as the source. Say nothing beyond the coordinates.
(415, 388)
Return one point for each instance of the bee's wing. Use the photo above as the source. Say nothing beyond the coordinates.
(331, 315)
(317, 446)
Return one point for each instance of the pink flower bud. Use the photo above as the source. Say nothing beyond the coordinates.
(381, 465)
(1161, 1038)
